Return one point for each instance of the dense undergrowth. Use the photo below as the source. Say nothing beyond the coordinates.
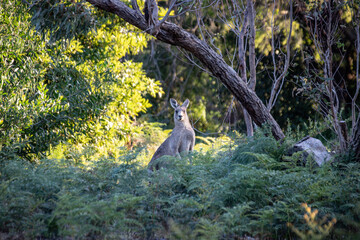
(246, 187)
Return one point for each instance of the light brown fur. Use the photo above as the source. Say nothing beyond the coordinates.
(182, 138)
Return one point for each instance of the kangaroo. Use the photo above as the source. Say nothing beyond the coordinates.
(182, 138)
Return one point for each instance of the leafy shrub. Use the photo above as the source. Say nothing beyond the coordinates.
(221, 195)
(78, 93)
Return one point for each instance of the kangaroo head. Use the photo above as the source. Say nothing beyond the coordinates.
(180, 114)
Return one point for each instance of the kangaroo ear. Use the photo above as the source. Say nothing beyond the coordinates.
(186, 103)
(173, 103)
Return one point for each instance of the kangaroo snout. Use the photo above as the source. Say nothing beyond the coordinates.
(180, 117)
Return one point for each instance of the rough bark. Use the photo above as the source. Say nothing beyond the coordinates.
(172, 34)
(355, 97)
(242, 68)
(252, 62)
(356, 141)
(252, 65)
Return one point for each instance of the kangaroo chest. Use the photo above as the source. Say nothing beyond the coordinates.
(182, 140)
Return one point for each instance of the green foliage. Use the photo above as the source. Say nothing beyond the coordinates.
(61, 19)
(25, 102)
(78, 93)
(223, 194)
(80, 101)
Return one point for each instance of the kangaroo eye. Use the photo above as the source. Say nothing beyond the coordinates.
(176, 111)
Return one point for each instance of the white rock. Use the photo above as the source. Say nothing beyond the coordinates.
(313, 147)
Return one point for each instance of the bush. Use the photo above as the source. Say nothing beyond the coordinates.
(223, 194)
(75, 91)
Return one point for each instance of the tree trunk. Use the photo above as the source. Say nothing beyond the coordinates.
(252, 64)
(356, 141)
(172, 34)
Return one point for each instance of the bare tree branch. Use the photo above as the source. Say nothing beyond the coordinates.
(175, 35)
(323, 34)
(278, 81)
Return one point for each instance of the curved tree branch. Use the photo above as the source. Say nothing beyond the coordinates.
(172, 34)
